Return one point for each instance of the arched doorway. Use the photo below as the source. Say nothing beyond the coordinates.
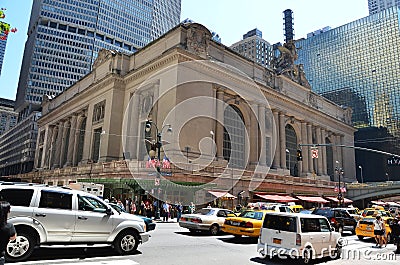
(291, 147)
(234, 137)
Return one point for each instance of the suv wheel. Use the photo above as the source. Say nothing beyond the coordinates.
(126, 242)
(21, 248)
(307, 256)
(214, 229)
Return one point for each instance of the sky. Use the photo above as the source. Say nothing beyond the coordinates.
(229, 18)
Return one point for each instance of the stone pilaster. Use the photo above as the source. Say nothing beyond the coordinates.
(276, 163)
(282, 139)
(263, 148)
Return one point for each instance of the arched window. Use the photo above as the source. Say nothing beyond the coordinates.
(234, 137)
(329, 160)
(81, 141)
(291, 147)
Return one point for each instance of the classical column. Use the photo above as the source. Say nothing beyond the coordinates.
(319, 159)
(341, 142)
(46, 146)
(276, 163)
(324, 164)
(77, 134)
(71, 140)
(263, 147)
(66, 125)
(219, 134)
(132, 140)
(304, 149)
(282, 139)
(57, 155)
(310, 141)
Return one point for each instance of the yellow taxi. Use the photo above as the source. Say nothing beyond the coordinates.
(365, 227)
(247, 223)
(296, 208)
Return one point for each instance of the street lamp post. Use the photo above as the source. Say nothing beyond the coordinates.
(158, 145)
(287, 151)
(362, 178)
(340, 173)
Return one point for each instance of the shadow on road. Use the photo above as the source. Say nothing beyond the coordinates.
(73, 253)
(239, 240)
(194, 233)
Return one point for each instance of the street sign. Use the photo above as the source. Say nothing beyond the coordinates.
(314, 153)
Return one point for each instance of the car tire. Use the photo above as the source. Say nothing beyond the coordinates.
(340, 230)
(360, 237)
(307, 256)
(338, 252)
(22, 246)
(214, 229)
(126, 243)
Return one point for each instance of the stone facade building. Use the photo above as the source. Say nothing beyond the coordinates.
(226, 113)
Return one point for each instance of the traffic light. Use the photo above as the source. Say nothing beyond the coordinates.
(299, 155)
(148, 126)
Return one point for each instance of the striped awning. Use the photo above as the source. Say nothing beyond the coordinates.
(312, 199)
(222, 194)
(336, 199)
(277, 198)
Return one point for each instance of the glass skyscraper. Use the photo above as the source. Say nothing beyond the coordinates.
(65, 36)
(358, 65)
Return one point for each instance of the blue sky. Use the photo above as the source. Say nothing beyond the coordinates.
(229, 18)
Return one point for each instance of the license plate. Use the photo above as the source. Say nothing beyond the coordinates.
(276, 241)
(235, 223)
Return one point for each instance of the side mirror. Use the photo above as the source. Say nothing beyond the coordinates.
(109, 211)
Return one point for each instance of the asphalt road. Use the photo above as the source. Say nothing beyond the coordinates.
(172, 245)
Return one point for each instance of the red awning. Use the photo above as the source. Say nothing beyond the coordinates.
(312, 199)
(378, 202)
(277, 198)
(222, 194)
(335, 199)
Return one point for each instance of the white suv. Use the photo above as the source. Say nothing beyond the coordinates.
(46, 216)
(305, 236)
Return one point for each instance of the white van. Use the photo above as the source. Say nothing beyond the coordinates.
(295, 235)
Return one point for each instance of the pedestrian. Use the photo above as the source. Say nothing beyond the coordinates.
(179, 209)
(7, 230)
(378, 231)
(192, 207)
(166, 211)
(133, 207)
(120, 204)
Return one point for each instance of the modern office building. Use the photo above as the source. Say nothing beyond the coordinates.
(254, 47)
(358, 65)
(8, 117)
(65, 37)
(376, 6)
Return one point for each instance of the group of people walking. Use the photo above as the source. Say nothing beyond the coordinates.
(381, 232)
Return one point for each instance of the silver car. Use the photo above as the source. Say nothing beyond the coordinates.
(46, 216)
(206, 219)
